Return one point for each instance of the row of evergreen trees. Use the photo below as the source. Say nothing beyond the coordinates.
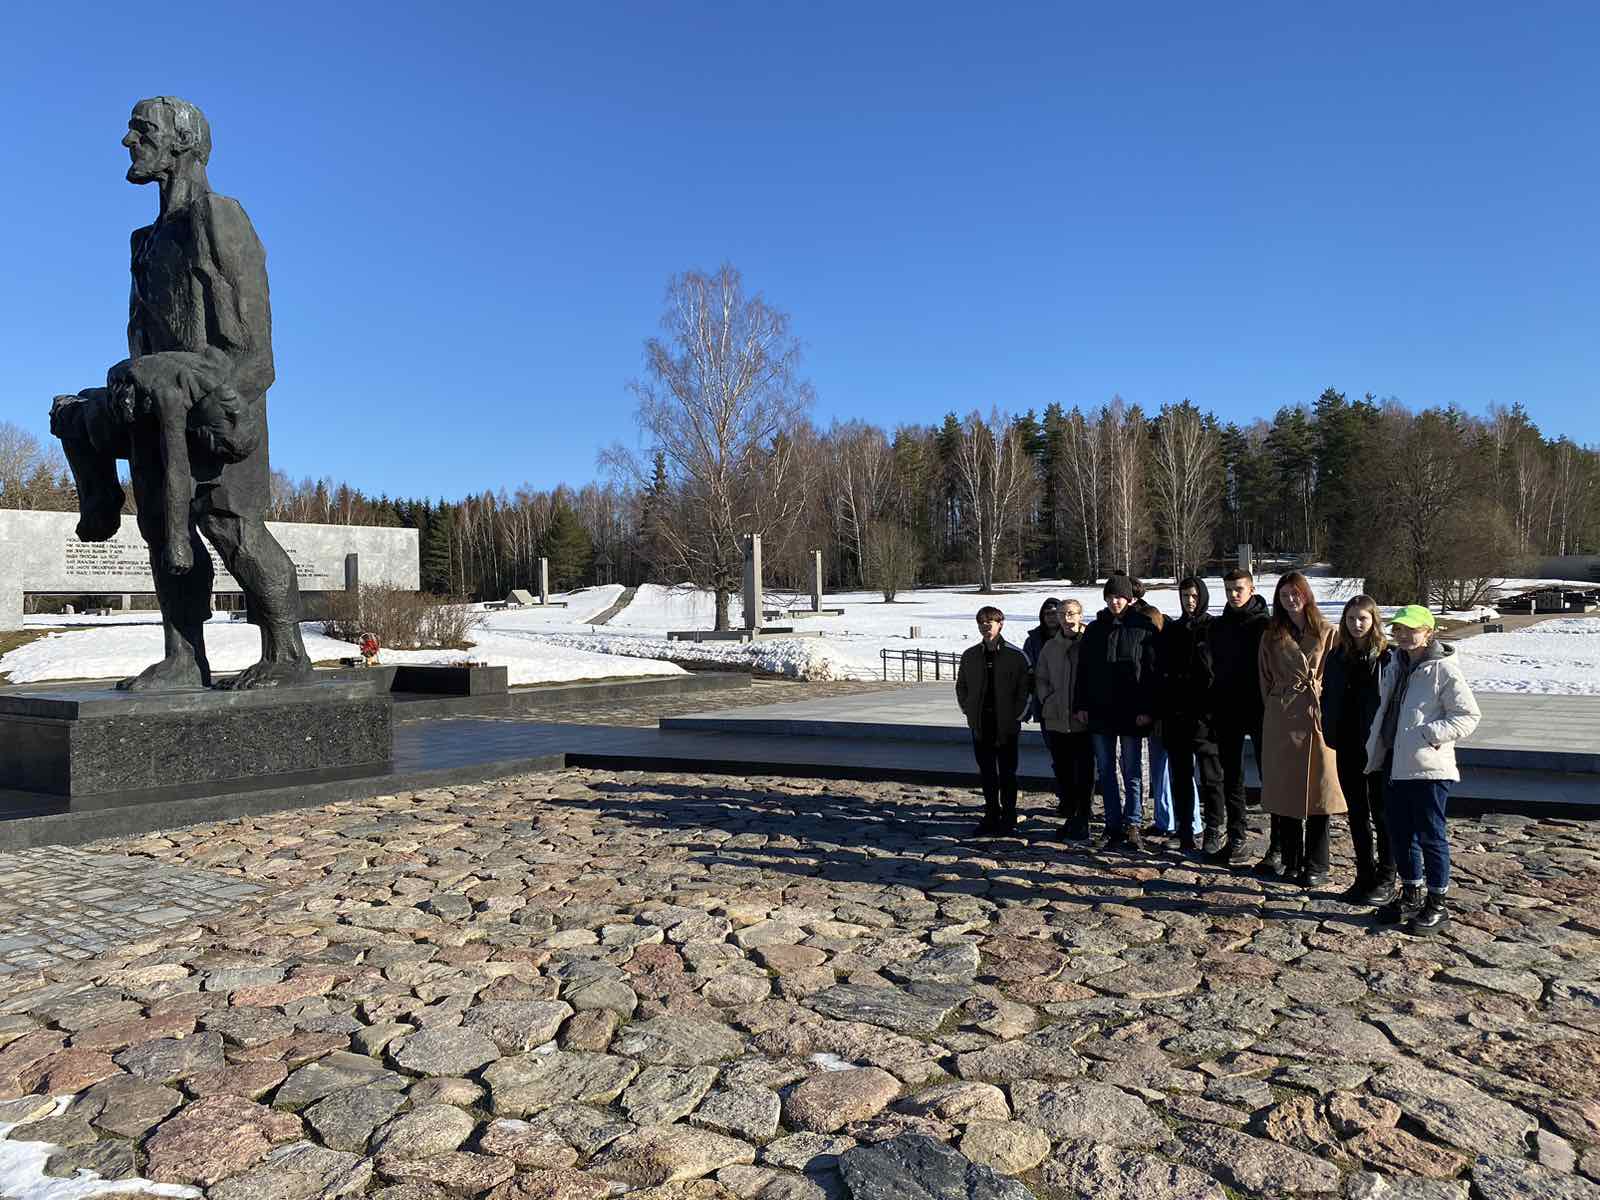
(1422, 501)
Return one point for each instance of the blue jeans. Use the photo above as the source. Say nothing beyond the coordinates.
(1415, 809)
(1128, 806)
(1160, 788)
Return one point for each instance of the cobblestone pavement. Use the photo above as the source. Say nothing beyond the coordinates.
(59, 903)
(777, 989)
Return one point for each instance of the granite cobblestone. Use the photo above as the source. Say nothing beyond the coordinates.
(778, 986)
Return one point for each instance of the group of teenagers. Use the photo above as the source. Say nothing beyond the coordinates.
(1343, 719)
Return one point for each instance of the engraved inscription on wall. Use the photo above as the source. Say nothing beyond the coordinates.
(119, 560)
(52, 559)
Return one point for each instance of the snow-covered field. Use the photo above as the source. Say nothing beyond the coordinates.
(546, 645)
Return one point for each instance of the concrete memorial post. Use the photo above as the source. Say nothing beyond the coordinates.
(816, 581)
(187, 408)
(753, 601)
(544, 581)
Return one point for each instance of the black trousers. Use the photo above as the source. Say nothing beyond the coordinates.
(1304, 843)
(997, 767)
(1230, 748)
(1369, 829)
(1185, 753)
(1072, 759)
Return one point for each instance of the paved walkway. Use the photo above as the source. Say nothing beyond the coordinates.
(793, 988)
(60, 903)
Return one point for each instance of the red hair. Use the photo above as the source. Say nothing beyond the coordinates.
(1282, 623)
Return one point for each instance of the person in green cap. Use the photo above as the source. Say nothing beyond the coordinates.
(1426, 707)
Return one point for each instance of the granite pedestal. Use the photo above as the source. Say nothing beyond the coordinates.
(98, 748)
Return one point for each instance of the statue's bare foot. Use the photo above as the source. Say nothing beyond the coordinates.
(95, 526)
(168, 675)
(177, 558)
(266, 674)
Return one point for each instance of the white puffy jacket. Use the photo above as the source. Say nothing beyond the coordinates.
(1437, 710)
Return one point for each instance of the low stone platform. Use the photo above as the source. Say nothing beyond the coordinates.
(1555, 733)
(1528, 750)
(97, 748)
(692, 988)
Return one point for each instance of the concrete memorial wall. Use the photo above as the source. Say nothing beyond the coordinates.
(44, 550)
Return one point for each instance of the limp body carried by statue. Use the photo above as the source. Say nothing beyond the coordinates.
(187, 408)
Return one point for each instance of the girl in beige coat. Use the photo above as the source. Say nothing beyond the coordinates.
(1299, 771)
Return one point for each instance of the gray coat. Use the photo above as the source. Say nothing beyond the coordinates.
(1055, 677)
(1013, 685)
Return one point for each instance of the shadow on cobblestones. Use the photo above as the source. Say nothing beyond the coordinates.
(553, 984)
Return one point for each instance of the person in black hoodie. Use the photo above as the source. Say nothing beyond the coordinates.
(1350, 687)
(1049, 625)
(1236, 706)
(1187, 675)
(1117, 698)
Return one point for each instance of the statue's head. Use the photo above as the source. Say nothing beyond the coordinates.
(162, 132)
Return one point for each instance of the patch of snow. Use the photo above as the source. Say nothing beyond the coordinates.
(22, 1174)
(832, 1062)
(1556, 657)
(550, 644)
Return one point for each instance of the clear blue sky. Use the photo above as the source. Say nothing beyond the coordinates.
(471, 212)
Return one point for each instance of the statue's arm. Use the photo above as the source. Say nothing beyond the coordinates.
(233, 272)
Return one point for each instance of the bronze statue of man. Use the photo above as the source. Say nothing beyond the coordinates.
(188, 409)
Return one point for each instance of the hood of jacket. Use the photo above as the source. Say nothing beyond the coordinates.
(1130, 616)
(1199, 585)
(1253, 609)
(1433, 652)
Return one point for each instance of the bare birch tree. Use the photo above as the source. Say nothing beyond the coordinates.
(1082, 485)
(721, 402)
(1185, 474)
(1122, 431)
(995, 475)
(860, 472)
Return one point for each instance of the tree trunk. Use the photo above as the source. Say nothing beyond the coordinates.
(724, 596)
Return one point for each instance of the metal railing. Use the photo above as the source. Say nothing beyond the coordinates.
(941, 660)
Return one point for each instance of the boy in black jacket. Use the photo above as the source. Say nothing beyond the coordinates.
(1236, 705)
(1187, 677)
(993, 686)
(1117, 697)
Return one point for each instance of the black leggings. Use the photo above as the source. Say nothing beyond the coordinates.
(1369, 829)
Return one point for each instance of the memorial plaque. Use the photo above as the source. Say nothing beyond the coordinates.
(45, 548)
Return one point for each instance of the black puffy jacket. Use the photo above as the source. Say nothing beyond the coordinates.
(1235, 635)
(1118, 679)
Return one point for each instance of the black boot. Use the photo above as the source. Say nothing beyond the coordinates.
(1271, 866)
(1236, 854)
(1430, 917)
(1312, 878)
(1212, 846)
(1363, 884)
(1402, 907)
(1380, 890)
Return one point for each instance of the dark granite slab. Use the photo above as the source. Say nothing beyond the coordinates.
(105, 743)
(450, 681)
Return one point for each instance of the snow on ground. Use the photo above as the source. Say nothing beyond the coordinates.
(1556, 657)
(125, 643)
(544, 645)
(22, 1173)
